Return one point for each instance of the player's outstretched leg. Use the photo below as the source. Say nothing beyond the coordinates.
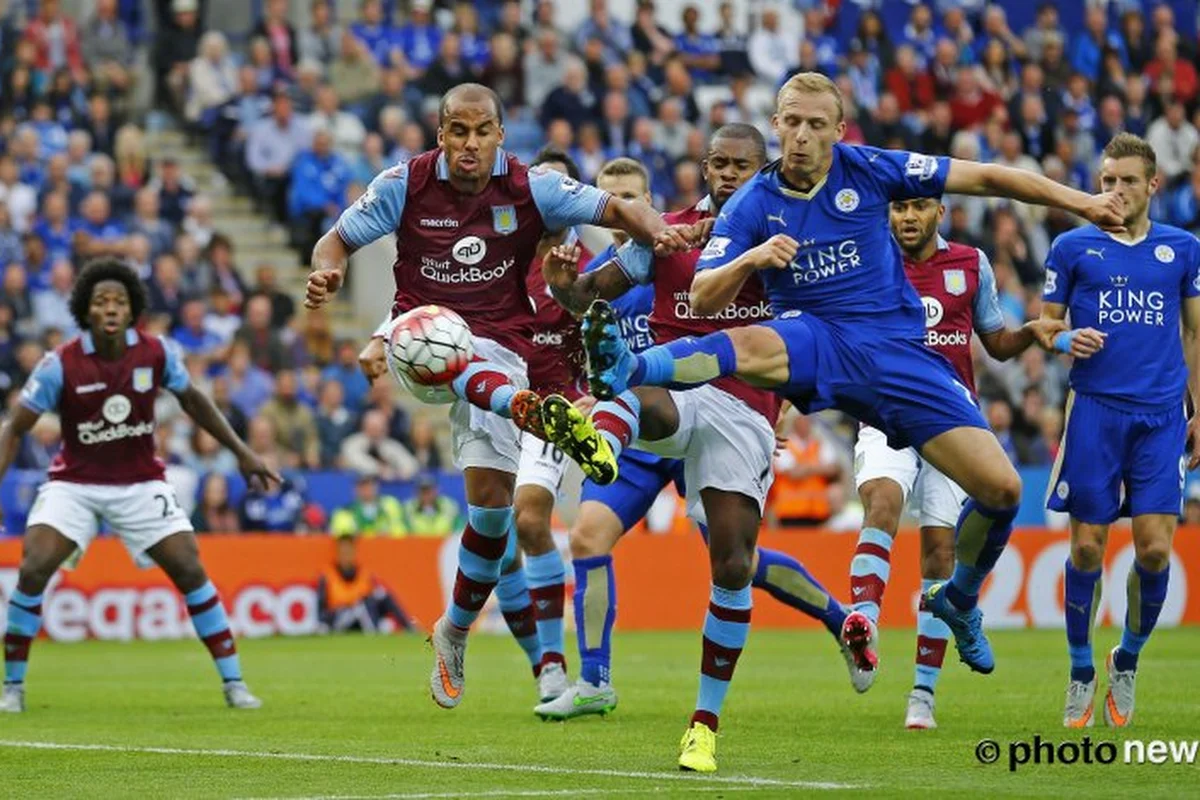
(480, 552)
(1081, 598)
(1146, 591)
(485, 385)
(43, 550)
(567, 428)
(179, 557)
(512, 594)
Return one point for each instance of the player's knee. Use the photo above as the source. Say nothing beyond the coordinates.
(35, 571)
(1087, 555)
(589, 541)
(1002, 492)
(882, 504)
(533, 528)
(733, 568)
(1154, 556)
(937, 561)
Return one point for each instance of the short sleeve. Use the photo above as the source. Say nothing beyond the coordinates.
(175, 374)
(563, 201)
(1191, 276)
(377, 212)
(1057, 288)
(636, 260)
(735, 231)
(44, 386)
(988, 316)
(904, 175)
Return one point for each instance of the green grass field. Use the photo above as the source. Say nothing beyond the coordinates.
(351, 717)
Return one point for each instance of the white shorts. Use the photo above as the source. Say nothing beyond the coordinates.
(936, 500)
(142, 514)
(544, 465)
(724, 445)
(480, 438)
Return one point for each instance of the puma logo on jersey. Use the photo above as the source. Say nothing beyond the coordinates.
(1092, 251)
(777, 218)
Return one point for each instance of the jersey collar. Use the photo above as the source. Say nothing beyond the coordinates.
(499, 168)
(788, 191)
(1132, 242)
(705, 206)
(89, 346)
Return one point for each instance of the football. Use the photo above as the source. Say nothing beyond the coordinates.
(430, 345)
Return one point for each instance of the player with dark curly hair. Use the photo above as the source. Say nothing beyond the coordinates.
(103, 384)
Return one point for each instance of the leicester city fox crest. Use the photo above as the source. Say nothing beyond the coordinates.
(143, 379)
(955, 281)
(504, 219)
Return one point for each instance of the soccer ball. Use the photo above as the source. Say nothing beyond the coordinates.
(429, 345)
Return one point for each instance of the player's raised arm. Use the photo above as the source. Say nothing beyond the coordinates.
(372, 216)
(994, 180)
(574, 291)
(736, 249)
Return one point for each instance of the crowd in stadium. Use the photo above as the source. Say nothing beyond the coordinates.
(301, 111)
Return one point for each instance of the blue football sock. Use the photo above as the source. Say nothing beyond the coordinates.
(595, 602)
(212, 626)
(1146, 592)
(932, 636)
(786, 579)
(480, 552)
(869, 571)
(24, 621)
(982, 534)
(1081, 599)
(686, 363)
(547, 576)
(512, 594)
(726, 628)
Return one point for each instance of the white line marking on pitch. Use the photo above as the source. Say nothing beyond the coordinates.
(413, 762)
(515, 793)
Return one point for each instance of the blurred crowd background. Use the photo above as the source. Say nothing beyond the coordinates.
(298, 108)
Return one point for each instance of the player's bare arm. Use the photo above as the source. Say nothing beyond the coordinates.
(200, 408)
(1105, 211)
(643, 223)
(20, 422)
(1084, 342)
(1008, 343)
(330, 259)
(1191, 354)
(714, 289)
(575, 292)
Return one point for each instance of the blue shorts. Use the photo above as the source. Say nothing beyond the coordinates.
(1104, 447)
(897, 385)
(640, 477)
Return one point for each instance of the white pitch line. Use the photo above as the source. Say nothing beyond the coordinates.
(513, 793)
(413, 762)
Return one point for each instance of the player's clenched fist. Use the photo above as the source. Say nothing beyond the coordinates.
(674, 239)
(775, 253)
(560, 267)
(322, 286)
(1106, 211)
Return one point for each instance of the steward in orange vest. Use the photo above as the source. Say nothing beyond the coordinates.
(804, 471)
(350, 597)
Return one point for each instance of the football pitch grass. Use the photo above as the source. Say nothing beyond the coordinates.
(351, 717)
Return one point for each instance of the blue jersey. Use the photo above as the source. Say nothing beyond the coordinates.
(1133, 293)
(849, 269)
(633, 308)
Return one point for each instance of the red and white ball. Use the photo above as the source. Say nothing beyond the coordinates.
(430, 345)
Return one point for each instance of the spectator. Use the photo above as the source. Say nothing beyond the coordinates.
(334, 421)
(887, 129)
(805, 469)
(272, 146)
(997, 69)
(317, 188)
(420, 40)
(572, 101)
(222, 272)
(222, 398)
(370, 162)
(249, 386)
(175, 191)
(129, 153)
(874, 37)
(937, 136)
(423, 444)
(321, 39)
(276, 510)
(1167, 62)
(615, 36)
(212, 79)
(213, 513)
(1046, 26)
(920, 36)
(393, 97)
(20, 198)
(52, 305)
(372, 451)
(1184, 204)
(1000, 414)
(473, 45)
(1174, 139)
(106, 47)
(671, 130)
(370, 514)
(430, 513)
(147, 222)
(1138, 47)
(176, 45)
(382, 398)
(267, 79)
(220, 318)
(15, 294)
(56, 41)
(354, 73)
(1032, 449)
(503, 71)
(11, 249)
(651, 39)
(544, 68)
(911, 86)
(294, 424)
(349, 598)
(265, 344)
(971, 104)
(267, 284)
(165, 292)
(191, 333)
(198, 224)
(280, 36)
(772, 51)
(374, 32)
(700, 52)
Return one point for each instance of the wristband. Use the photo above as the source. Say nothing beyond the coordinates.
(1062, 342)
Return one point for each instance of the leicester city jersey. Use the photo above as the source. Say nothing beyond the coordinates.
(849, 269)
(1133, 293)
(633, 308)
